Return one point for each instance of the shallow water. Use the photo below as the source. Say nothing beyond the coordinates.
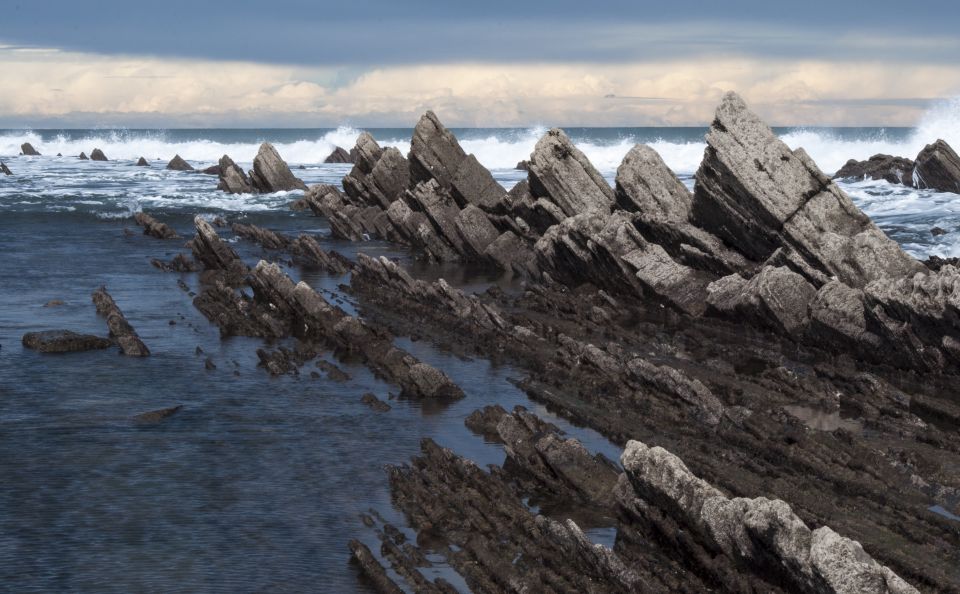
(257, 484)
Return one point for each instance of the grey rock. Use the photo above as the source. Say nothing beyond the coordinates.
(435, 152)
(646, 185)
(153, 227)
(340, 155)
(83, 157)
(271, 174)
(563, 175)
(896, 170)
(120, 328)
(178, 164)
(938, 168)
(707, 407)
(97, 155)
(63, 341)
(777, 298)
(27, 149)
(232, 179)
(141, 162)
(4, 169)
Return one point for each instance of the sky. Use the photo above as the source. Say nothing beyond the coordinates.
(300, 63)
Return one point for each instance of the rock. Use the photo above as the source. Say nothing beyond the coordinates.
(232, 179)
(153, 227)
(340, 155)
(212, 170)
(523, 165)
(379, 177)
(97, 155)
(757, 195)
(63, 341)
(308, 253)
(896, 170)
(178, 164)
(53, 303)
(83, 157)
(215, 255)
(372, 570)
(563, 175)
(179, 263)
(271, 174)
(937, 231)
(936, 262)
(776, 298)
(155, 416)
(141, 162)
(4, 169)
(265, 237)
(375, 403)
(646, 185)
(209, 365)
(706, 406)
(755, 535)
(59, 154)
(27, 149)
(120, 328)
(938, 168)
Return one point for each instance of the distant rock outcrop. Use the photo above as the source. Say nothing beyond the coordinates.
(896, 170)
(97, 155)
(341, 155)
(938, 168)
(232, 179)
(83, 156)
(141, 162)
(270, 173)
(27, 149)
(178, 164)
(4, 169)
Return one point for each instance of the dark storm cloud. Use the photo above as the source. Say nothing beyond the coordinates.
(366, 32)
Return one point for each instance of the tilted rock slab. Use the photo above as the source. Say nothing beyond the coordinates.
(938, 168)
(562, 174)
(120, 328)
(270, 173)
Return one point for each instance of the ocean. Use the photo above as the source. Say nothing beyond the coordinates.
(258, 483)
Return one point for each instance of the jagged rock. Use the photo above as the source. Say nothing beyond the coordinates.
(340, 155)
(265, 237)
(212, 170)
(153, 227)
(178, 164)
(232, 179)
(755, 535)
(371, 568)
(155, 416)
(97, 155)
(308, 253)
(141, 162)
(777, 298)
(27, 149)
(179, 263)
(375, 403)
(270, 173)
(63, 341)
(214, 254)
(523, 165)
(83, 157)
(938, 168)
(646, 185)
(563, 175)
(758, 195)
(937, 231)
(708, 408)
(120, 328)
(346, 220)
(4, 169)
(896, 170)
(379, 177)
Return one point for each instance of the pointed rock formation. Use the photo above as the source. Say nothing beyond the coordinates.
(563, 175)
(758, 195)
(340, 155)
(271, 174)
(265, 237)
(141, 162)
(83, 157)
(938, 168)
(120, 328)
(378, 177)
(97, 155)
(776, 298)
(4, 169)
(153, 227)
(308, 253)
(27, 149)
(178, 164)
(646, 185)
(232, 179)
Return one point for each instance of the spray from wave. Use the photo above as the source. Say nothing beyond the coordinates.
(502, 149)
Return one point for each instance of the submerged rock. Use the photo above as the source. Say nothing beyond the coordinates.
(155, 416)
(178, 164)
(938, 168)
(97, 155)
(153, 227)
(63, 341)
(271, 174)
(896, 170)
(27, 149)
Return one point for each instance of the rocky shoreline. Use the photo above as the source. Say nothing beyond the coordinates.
(701, 332)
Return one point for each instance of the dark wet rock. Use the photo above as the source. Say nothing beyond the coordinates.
(308, 253)
(153, 227)
(347, 221)
(340, 155)
(563, 175)
(232, 179)
(83, 157)
(214, 254)
(97, 155)
(372, 570)
(374, 403)
(63, 341)
(265, 237)
(299, 205)
(760, 538)
(896, 170)
(27, 149)
(53, 303)
(523, 165)
(757, 195)
(141, 162)
(271, 173)
(178, 164)
(4, 169)
(120, 329)
(155, 416)
(379, 175)
(209, 365)
(179, 263)
(936, 231)
(938, 168)
(212, 170)
(334, 373)
(776, 298)
(936, 262)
